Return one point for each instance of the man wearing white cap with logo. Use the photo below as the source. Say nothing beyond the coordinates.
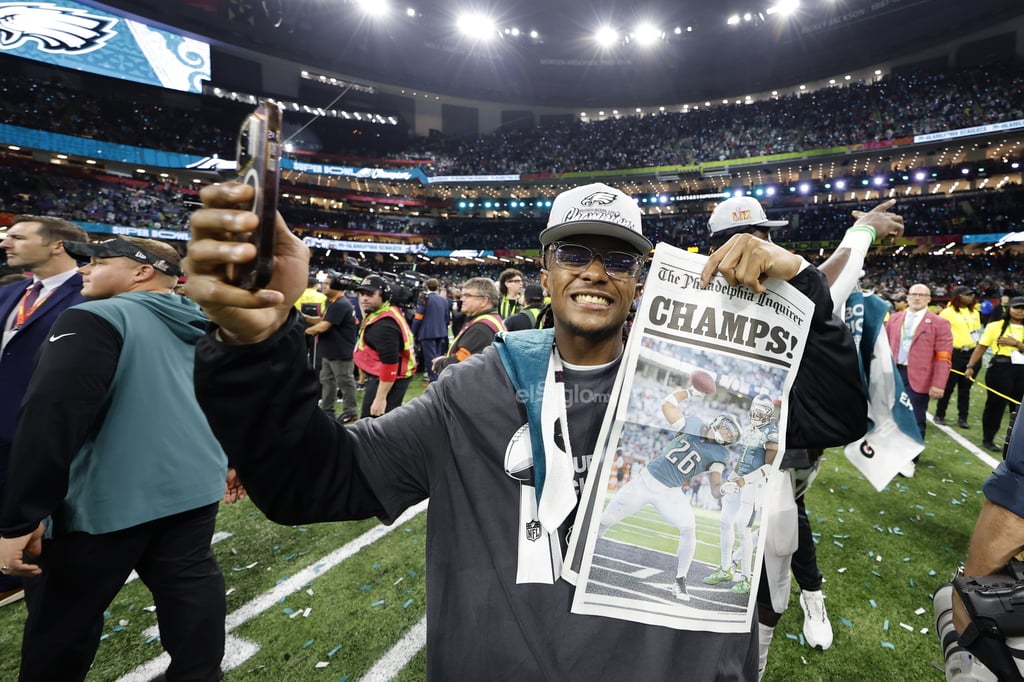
(744, 215)
(494, 443)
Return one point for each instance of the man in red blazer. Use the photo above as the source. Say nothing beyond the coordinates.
(922, 344)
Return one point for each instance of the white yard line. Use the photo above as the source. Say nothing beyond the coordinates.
(399, 655)
(237, 650)
(966, 444)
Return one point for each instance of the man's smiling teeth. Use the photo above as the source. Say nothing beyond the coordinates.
(590, 299)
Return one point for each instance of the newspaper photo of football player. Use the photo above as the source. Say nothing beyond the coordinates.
(700, 433)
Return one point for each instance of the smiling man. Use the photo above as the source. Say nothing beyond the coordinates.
(498, 443)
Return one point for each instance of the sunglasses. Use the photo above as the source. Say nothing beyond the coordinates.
(618, 264)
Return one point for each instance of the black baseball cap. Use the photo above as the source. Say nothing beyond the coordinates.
(963, 291)
(373, 283)
(1017, 302)
(533, 292)
(117, 248)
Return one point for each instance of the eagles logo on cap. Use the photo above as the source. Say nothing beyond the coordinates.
(598, 199)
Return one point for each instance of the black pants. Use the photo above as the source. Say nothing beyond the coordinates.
(7, 582)
(83, 573)
(919, 401)
(395, 396)
(805, 560)
(959, 382)
(1008, 379)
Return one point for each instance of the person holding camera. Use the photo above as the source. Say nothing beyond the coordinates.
(983, 625)
(384, 349)
(496, 603)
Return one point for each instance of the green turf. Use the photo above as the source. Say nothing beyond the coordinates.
(919, 527)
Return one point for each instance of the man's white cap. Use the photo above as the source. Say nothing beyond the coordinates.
(595, 209)
(739, 212)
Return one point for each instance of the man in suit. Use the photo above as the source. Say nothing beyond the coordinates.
(27, 311)
(922, 343)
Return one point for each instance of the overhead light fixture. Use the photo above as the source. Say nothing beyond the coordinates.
(606, 36)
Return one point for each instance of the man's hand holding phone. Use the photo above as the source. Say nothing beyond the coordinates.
(244, 316)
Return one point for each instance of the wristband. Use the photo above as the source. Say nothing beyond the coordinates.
(671, 399)
(866, 229)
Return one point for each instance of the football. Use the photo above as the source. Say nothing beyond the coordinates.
(702, 381)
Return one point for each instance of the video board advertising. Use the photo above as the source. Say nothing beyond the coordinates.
(74, 36)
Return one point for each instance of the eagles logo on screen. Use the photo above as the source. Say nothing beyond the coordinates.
(598, 199)
(56, 29)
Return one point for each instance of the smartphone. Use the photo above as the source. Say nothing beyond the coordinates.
(259, 163)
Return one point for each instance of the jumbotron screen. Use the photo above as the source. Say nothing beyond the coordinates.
(75, 36)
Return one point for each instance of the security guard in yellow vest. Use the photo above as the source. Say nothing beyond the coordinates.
(384, 349)
(479, 302)
(965, 322)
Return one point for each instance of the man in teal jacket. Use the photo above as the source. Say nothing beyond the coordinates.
(113, 460)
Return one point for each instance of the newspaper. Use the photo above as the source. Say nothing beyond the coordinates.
(650, 511)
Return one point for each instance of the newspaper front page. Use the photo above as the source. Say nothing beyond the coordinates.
(701, 405)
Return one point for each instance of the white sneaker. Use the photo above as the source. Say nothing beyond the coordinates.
(817, 628)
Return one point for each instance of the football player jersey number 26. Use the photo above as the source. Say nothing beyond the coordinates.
(684, 457)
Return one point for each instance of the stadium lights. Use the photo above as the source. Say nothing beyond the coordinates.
(733, 20)
(373, 8)
(606, 36)
(647, 34)
(476, 25)
(784, 8)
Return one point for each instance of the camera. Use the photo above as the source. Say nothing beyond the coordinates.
(993, 600)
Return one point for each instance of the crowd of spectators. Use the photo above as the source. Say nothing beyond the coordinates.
(890, 108)
(893, 107)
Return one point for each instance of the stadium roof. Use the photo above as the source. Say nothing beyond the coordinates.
(544, 52)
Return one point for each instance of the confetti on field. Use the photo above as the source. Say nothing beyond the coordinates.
(321, 664)
(226, 594)
(847, 622)
(152, 639)
(288, 611)
(885, 625)
(888, 645)
(151, 609)
(873, 604)
(379, 602)
(837, 543)
(310, 592)
(305, 614)
(308, 644)
(298, 660)
(792, 637)
(911, 582)
(290, 556)
(841, 570)
(333, 651)
(908, 628)
(920, 610)
(366, 588)
(295, 614)
(407, 604)
(906, 559)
